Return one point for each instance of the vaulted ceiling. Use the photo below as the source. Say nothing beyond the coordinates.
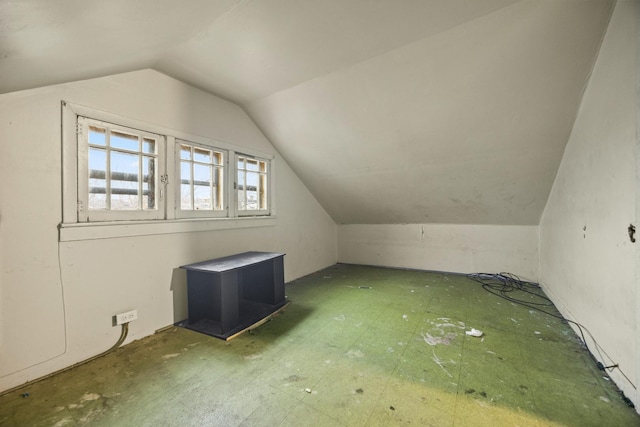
(413, 111)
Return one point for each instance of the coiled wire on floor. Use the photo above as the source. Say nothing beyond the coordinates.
(504, 285)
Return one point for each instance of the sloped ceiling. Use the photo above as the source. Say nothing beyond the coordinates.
(413, 111)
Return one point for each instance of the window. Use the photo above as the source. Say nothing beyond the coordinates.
(119, 171)
(251, 186)
(201, 183)
(122, 177)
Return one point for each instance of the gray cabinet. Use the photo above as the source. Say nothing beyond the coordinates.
(228, 295)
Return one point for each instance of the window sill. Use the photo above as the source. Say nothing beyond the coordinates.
(115, 229)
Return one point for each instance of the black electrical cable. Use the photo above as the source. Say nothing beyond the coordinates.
(504, 283)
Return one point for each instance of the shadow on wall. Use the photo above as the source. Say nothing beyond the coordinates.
(179, 290)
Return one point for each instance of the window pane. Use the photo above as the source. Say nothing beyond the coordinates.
(252, 165)
(251, 190)
(124, 141)
(263, 192)
(201, 155)
(202, 198)
(217, 158)
(185, 186)
(97, 136)
(185, 152)
(202, 174)
(241, 203)
(241, 191)
(97, 179)
(241, 180)
(124, 181)
(185, 197)
(252, 200)
(202, 187)
(252, 180)
(149, 146)
(185, 173)
(148, 183)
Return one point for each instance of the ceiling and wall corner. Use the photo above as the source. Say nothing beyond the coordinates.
(419, 112)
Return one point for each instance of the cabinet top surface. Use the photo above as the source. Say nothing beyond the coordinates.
(232, 262)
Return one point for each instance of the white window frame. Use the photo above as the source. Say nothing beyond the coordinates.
(85, 213)
(72, 229)
(194, 213)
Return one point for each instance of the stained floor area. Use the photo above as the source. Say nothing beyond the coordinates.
(358, 346)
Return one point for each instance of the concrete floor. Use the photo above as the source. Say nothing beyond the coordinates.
(358, 346)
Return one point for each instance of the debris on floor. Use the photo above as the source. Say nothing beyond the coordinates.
(474, 332)
(346, 354)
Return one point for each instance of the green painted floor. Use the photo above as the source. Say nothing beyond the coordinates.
(358, 346)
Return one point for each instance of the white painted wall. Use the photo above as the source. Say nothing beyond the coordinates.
(57, 299)
(466, 126)
(587, 262)
(442, 247)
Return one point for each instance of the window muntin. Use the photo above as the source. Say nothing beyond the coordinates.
(201, 173)
(118, 172)
(252, 185)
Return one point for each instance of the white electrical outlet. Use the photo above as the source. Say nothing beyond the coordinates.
(127, 317)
